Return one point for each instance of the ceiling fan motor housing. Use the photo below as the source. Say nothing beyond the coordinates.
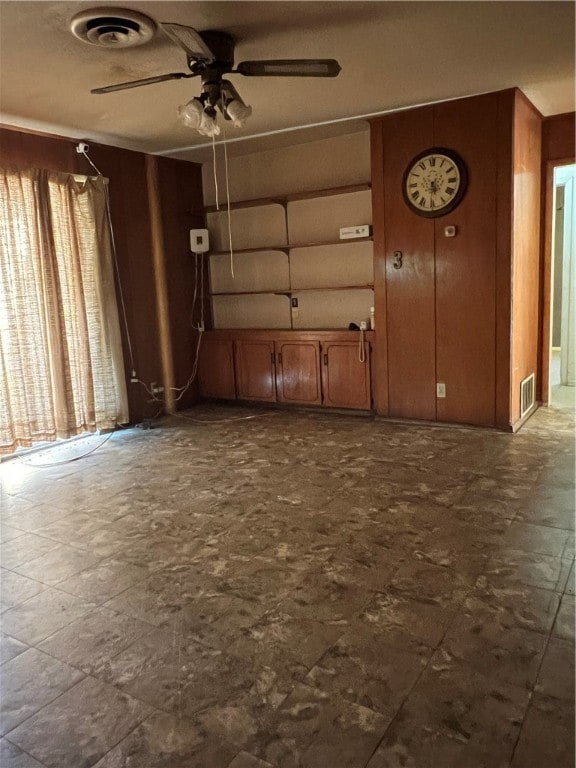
(112, 27)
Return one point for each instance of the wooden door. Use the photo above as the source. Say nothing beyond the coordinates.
(216, 369)
(345, 378)
(255, 370)
(409, 281)
(298, 372)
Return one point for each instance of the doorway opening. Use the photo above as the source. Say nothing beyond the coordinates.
(562, 352)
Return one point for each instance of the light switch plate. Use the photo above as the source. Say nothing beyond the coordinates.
(440, 389)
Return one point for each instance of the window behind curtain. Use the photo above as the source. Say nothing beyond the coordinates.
(61, 368)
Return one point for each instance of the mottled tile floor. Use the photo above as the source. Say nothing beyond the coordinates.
(295, 589)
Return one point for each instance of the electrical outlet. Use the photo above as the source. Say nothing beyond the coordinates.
(440, 389)
(363, 325)
(156, 388)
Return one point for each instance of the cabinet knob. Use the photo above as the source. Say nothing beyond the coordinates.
(325, 358)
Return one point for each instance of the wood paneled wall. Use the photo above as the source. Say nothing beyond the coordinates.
(466, 265)
(558, 137)
(180, 192)
(409, 318)
(558, 147)
(526, 246)
(461, 310)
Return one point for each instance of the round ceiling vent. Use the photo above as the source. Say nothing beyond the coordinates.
(112, 27)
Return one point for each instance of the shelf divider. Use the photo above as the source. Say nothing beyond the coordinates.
(285, 199)
(287, 248)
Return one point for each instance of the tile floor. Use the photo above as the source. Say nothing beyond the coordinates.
(296, 589)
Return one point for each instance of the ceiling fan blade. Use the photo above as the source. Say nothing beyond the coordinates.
(290, 68)
(138, 83)
(188, 39)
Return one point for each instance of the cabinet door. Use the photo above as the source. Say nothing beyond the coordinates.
(345, 379)
(255, 370)
(216, 369)
(298, 372)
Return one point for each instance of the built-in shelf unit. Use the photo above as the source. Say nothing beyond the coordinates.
(288, 260)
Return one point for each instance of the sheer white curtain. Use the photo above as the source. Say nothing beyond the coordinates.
(61, 367)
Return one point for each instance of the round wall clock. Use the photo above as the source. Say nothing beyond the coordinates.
(434, 182)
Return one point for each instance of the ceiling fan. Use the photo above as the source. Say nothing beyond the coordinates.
(210, 56)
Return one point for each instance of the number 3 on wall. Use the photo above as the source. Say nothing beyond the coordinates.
(397, 263)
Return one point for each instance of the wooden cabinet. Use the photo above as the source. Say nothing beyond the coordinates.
(289, 367)
(298, 372)
(216, 369)
(255, 370)
(345, 376)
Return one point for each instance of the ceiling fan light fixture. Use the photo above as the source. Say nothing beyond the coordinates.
(201, 118)
(238, 112)
(208, 125)
(191, 113)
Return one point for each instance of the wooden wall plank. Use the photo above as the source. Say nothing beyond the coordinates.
(526, 246)
(558, 148)
(180, 192)
(410, 305)
(558, 137)
(466, 265)
(504, 257)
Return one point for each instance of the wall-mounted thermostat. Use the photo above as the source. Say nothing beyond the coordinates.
(199, 240)
(349, 233)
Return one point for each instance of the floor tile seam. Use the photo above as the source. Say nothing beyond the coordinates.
(400, 707)
(466, 665)
(154, 711)
(21, 531)
(43, 504)
(542, 524)
(40, 763)
(108, 598)
(44, 538)
(32, 597)
(33, 578)
(41, 640)
(371, 594)
(533, 688)
(47, 703)
(64, 578)
(517, 625)
(150, 629)
(71, 688)
(11, 637)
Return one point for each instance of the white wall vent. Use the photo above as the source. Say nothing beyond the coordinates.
(527, 394)
(112, 27)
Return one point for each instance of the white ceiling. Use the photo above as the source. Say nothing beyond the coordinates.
(393, 55)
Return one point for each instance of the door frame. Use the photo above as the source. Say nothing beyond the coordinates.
(546, 281)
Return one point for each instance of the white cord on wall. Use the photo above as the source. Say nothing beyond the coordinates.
(227, 194)
(362, 347)
(214, 169)
(83, 150)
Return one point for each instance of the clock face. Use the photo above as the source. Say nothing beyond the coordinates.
(434, 182)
